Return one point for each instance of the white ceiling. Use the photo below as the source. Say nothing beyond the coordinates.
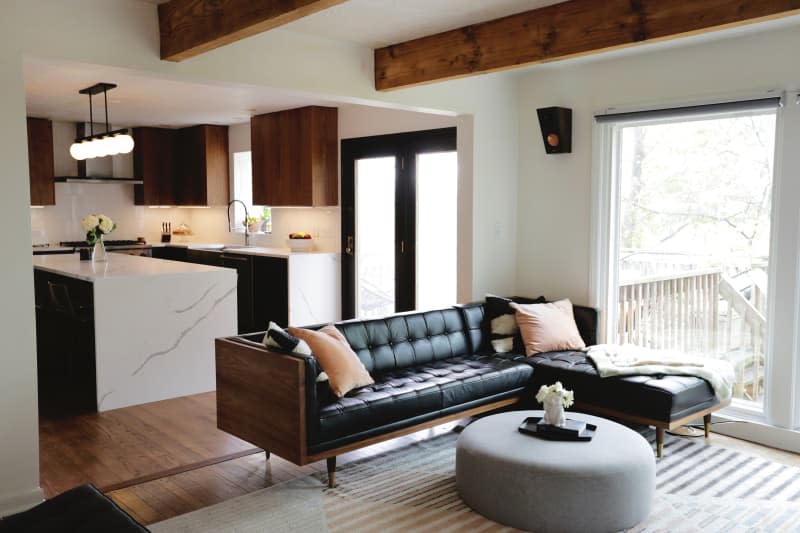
(51, 91)
(377, 23)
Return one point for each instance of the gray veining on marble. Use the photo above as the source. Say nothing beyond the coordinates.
(197, 302)
(183, 333)
(103, 399)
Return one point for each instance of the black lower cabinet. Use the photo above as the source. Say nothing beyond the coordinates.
(270, 292)
(65, 349)
(243, 264)
(204, 257)
(173, 253)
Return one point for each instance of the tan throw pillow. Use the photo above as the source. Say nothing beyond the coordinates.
(345, 370)
(548, 327)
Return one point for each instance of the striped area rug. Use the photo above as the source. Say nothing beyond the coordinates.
(700, 487)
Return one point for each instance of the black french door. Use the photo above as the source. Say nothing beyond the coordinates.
(379, 219)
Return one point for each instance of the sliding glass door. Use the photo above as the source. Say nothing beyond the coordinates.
(689, 214)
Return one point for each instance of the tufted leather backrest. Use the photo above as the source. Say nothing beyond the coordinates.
(472, 314)
(405, 340)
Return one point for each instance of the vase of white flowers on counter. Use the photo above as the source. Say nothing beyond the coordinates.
(95, 227)
(555, 399)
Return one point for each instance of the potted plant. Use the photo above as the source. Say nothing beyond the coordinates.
(253, 224)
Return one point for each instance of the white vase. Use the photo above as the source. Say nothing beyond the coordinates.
(554, 411)
(99, 254)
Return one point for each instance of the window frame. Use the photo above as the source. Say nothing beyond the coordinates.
(783, 338)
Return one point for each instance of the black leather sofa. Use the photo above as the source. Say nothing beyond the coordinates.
(429, 368)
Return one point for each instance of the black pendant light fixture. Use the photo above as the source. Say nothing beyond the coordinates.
(101, 144)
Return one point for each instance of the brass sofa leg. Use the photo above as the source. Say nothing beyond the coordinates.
(331, 464)
(707, 425)
(659, 442)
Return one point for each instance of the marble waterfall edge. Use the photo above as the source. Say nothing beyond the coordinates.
(155, 335)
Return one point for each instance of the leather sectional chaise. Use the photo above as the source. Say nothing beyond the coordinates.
(429, 368)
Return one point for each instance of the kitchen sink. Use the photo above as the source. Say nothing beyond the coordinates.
(206, 246)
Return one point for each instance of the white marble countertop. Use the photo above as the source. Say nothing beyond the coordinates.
(238, 249)
(117, 266)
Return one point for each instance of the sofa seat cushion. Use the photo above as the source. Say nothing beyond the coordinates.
(406, 393)
(662, 398)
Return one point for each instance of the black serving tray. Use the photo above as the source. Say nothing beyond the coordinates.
(531, 426)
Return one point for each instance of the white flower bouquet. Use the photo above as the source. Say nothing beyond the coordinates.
(96, 226)
(555, 399)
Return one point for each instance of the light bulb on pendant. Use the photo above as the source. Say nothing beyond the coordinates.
(110, 144)
(78, 151)
(124, 143)
(100, 148)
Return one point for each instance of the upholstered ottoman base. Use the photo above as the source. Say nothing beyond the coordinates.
(521, 481)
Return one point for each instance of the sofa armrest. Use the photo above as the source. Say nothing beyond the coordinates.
(587, 320)
(266, 397)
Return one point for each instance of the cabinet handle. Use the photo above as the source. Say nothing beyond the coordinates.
(232, 258)
(349, 248)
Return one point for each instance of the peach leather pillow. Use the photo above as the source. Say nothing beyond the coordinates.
(548, 327)
(345, 370)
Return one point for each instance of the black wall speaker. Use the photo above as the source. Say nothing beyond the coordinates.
(556, 125)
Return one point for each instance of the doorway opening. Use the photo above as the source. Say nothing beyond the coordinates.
(399, 222)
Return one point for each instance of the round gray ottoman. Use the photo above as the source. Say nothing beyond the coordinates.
(529, 483)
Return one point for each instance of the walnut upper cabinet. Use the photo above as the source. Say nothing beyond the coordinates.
(154, 162)
(187, 166)
(202, 171)
(296, 157)
(41, 166)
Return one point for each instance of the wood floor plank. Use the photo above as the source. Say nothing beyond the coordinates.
(134, 444)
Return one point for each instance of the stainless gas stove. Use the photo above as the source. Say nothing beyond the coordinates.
(120, 246)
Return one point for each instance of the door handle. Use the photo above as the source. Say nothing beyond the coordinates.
(349, 248)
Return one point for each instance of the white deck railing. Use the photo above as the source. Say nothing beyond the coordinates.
(701, 312)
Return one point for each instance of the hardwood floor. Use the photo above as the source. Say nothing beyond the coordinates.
(127, 446)
(174, 495)
(167, 458)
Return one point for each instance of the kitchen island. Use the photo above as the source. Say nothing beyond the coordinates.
(127, 331)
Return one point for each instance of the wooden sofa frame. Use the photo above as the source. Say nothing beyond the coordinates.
(252, 379)
(249, 380)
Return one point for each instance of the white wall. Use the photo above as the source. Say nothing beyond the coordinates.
(19, 442)
(554, 206)
(124, 34)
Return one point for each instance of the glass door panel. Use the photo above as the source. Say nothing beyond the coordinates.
(437, 201)
(694, 233)
(375, 236)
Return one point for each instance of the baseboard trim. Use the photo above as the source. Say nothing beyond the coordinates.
(20, 501)
(758, 432)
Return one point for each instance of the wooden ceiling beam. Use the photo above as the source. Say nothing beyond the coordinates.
(192, 27)
(568, 29)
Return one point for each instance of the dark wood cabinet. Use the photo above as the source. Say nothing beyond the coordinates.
(204, 257)
(296, 157)
(270, 292)
(202, 166)
(172, 253)
(154, 162)
(243, 264)
(188, 166)
(65, 348)
(40, 161)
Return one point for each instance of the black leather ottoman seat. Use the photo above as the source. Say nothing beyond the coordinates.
(662, 398)
(83, 509)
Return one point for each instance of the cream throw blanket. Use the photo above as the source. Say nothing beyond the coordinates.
(629, 359)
